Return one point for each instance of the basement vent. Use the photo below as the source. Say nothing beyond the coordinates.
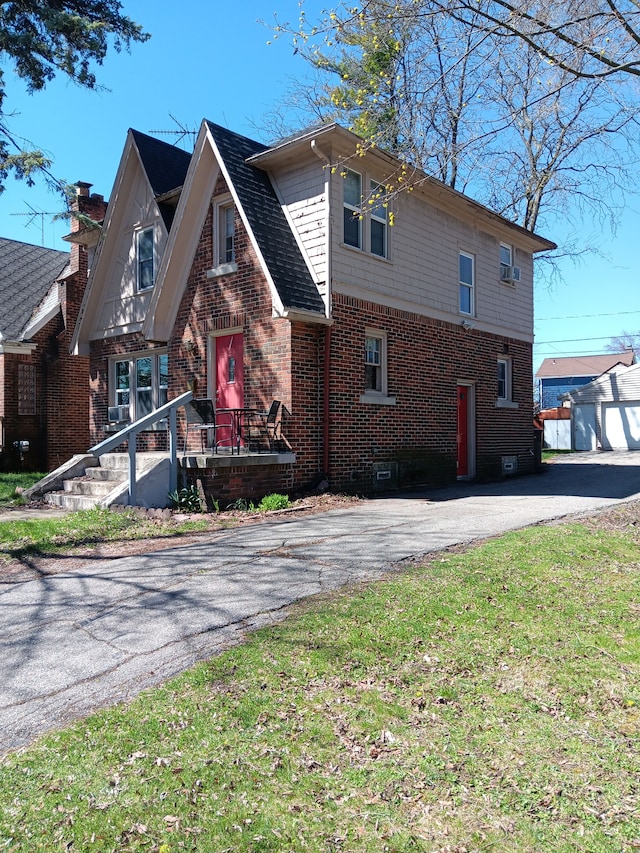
(385, 475)
(509, 465)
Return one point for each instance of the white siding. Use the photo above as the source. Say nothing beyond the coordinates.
(421, 273)
(619, 385)
(124, 308)
(302, 189)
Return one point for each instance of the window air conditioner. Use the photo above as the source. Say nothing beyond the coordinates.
(511, 274)
(118, 414)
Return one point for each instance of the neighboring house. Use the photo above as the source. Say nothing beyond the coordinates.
(605, 413)
(43, 389)
(398, 336)
(558, 376)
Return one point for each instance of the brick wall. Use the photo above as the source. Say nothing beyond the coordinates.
(240, 301)
(426, 360)
(21, 422)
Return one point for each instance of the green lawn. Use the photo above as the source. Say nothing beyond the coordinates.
(10, 482)
(488, 701)
(42, 537)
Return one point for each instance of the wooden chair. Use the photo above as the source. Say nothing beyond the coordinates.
(201, 417)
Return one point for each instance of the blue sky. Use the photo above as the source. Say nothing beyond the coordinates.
(213, 60)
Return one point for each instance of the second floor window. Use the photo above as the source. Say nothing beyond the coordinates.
(467, 276)
(378, 221)
(352, 209)
(226, 234)
(144, 258)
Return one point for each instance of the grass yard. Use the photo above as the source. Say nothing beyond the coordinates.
(46, 537)
(10, 482)
(488, 701)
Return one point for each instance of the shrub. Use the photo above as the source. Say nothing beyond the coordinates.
(275, 501)
(187, 499)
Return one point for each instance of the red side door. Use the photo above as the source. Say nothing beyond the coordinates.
(229, 376)
(463, 431)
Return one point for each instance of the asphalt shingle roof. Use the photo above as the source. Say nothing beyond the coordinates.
(166, 167)
(268, 223)
(583, 365)
(26, 274)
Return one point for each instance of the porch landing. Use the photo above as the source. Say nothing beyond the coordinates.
(225, 459)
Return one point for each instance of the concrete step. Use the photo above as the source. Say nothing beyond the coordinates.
(89, 488)
(120, 461)
(113, 475)
(82, 486)
(67, 500)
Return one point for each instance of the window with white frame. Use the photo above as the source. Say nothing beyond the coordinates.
(504, 379)
(353, 209)
(225, 233)
(140, 382)
(144, 259)
(467, 283)
(378, 212)
(506, 263)
(376, 389)
(373, 363)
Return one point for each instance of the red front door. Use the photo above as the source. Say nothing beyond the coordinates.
(463, 431)
(229, 377)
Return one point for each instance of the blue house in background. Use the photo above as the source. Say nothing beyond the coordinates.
(559, 375)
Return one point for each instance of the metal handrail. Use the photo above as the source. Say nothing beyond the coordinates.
(129, 433)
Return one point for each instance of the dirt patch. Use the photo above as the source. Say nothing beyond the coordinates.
(32, 567)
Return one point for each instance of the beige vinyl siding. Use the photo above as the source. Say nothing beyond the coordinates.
(302, 190)
(124, 307)
(422, 272)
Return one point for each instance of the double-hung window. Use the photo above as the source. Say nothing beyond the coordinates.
(504, 379)
(467, 283)
(505, 384)
(373, 363)
(141, 383)
(226, 234)
(506, 261)
(375, 369)
(374, 238)
(144, 259)
(353, 209)
(224, 237)
(378, 221)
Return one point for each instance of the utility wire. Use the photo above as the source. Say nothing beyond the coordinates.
(590, 316)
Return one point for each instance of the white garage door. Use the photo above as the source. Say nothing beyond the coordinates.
(621, 426)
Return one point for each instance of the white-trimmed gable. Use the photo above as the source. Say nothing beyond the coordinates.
(113, 303)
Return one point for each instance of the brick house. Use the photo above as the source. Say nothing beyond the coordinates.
(43, 389)
(398, 335)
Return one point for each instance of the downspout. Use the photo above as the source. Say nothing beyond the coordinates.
(326, 385)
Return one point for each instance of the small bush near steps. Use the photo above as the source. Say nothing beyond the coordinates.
(186, 499)
(273, 502)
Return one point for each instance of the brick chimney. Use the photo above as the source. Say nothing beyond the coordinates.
(83, 238)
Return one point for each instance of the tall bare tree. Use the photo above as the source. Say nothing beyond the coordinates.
(485, 112)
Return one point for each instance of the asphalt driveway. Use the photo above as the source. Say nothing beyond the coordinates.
(71, 643)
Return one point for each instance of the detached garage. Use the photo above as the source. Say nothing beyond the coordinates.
(606, 413)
